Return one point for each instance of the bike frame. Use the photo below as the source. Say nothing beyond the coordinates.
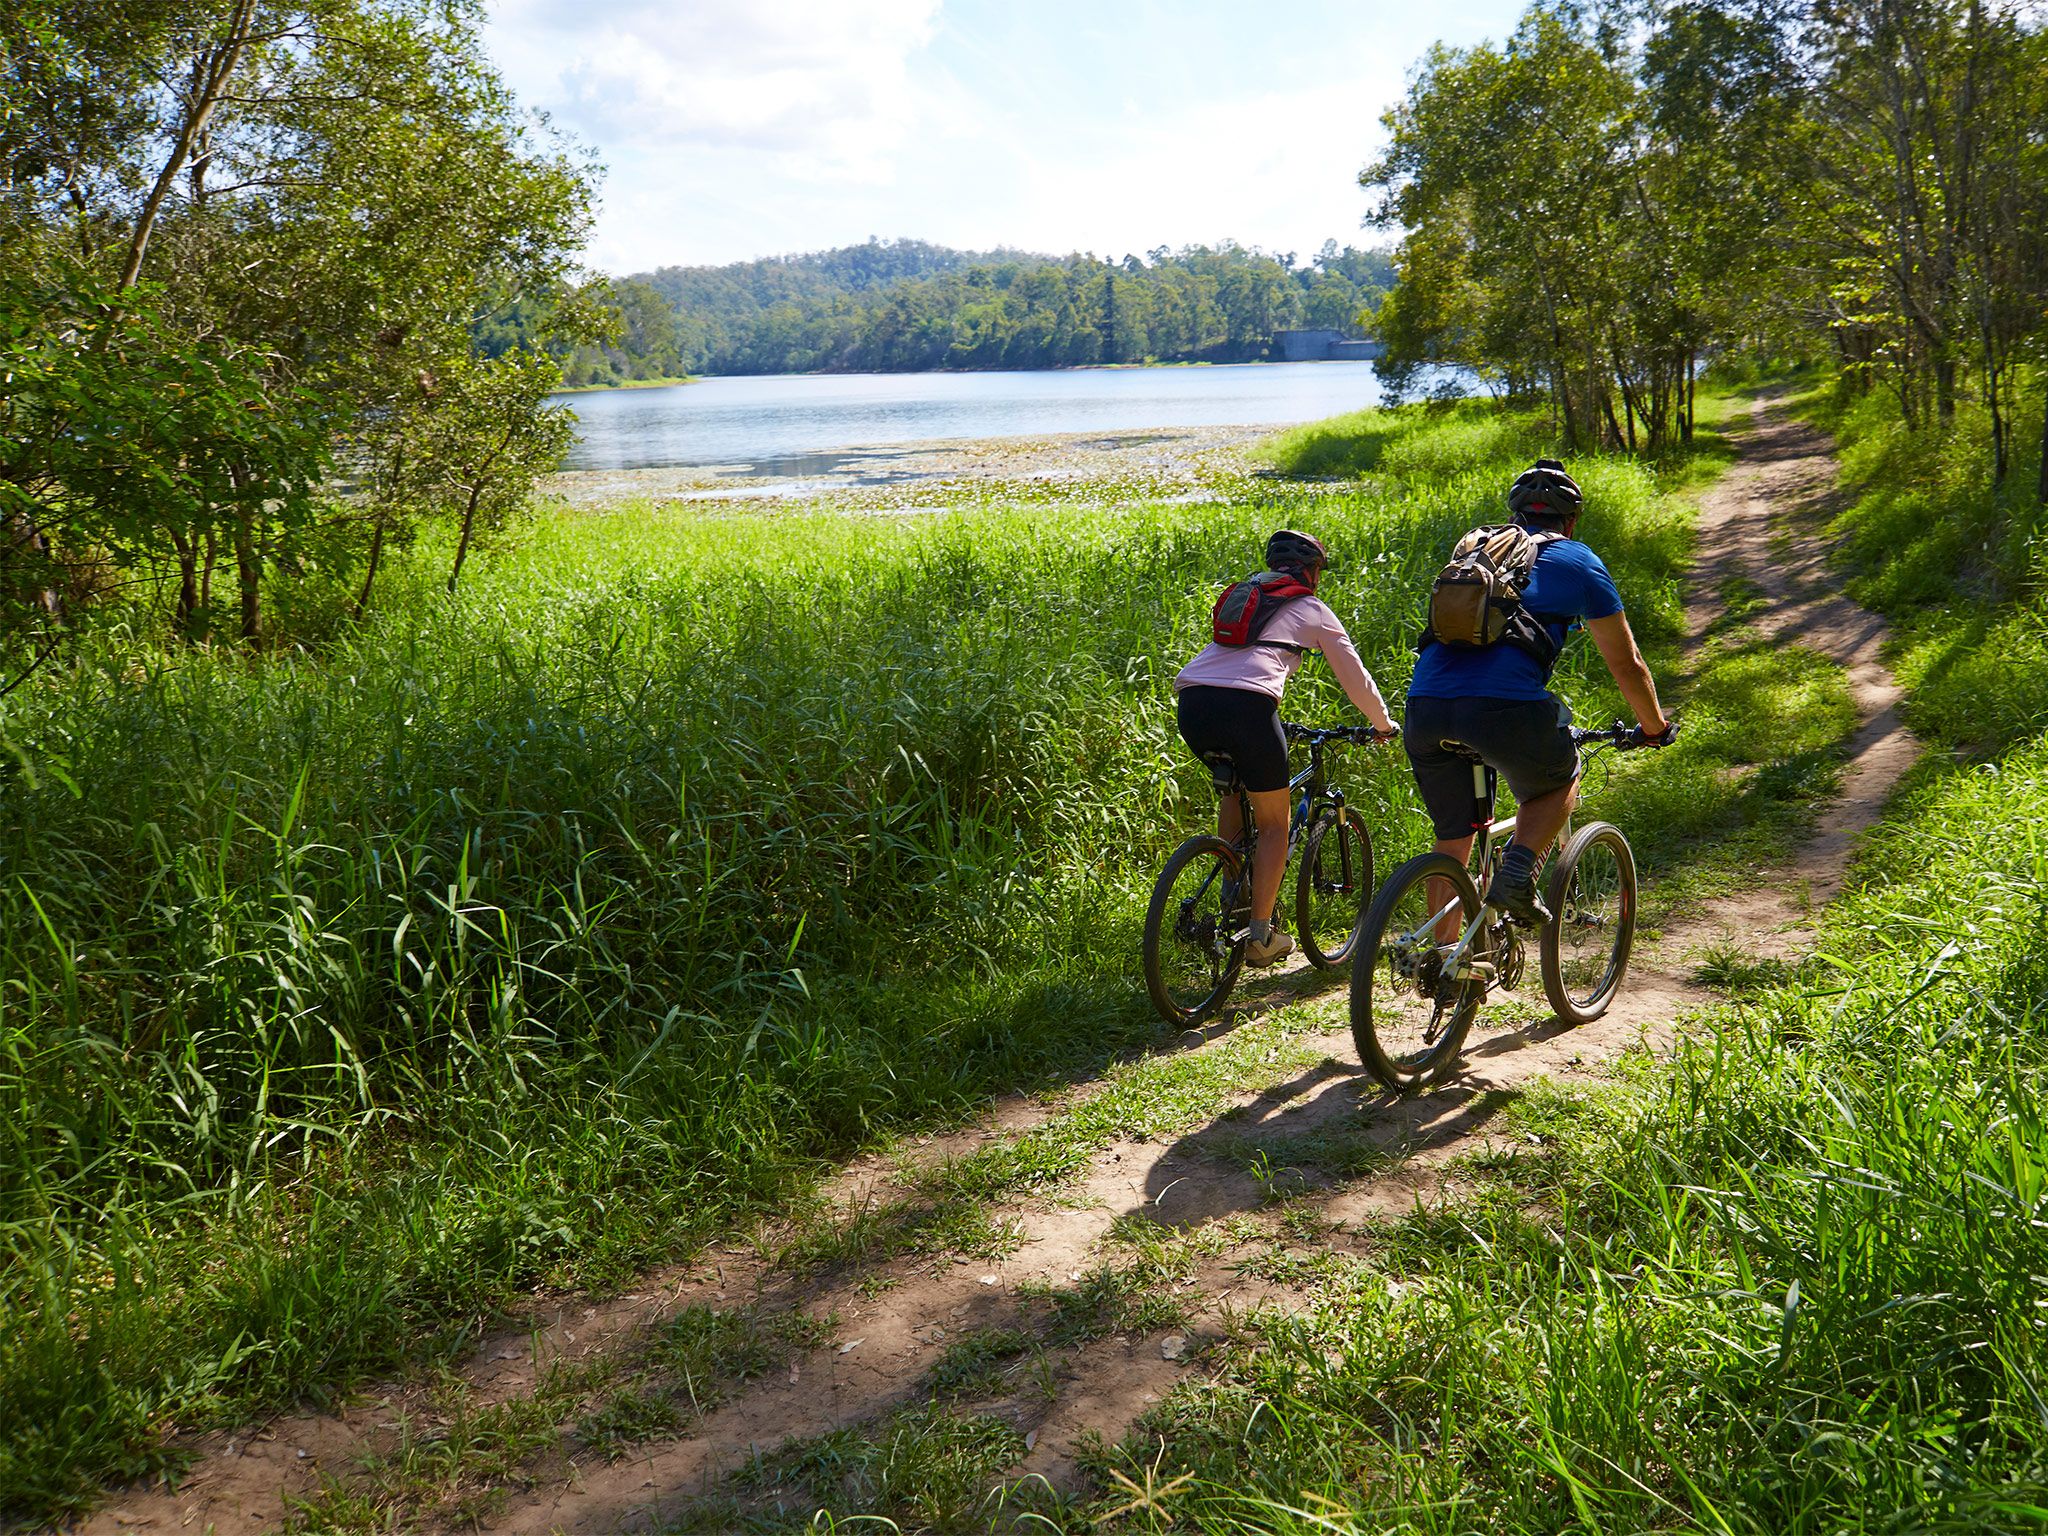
(1487, 835)
(1316, 794)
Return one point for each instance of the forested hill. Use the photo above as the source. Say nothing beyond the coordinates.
(900, 305)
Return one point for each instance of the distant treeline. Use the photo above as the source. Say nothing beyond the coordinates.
(904, 305)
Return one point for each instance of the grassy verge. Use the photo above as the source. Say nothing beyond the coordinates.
(1789, 1282)
(1958, 564)
(523, 938)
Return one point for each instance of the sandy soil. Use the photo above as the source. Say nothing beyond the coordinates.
(885, 1340)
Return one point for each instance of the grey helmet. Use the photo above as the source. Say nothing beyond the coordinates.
(1547, 489)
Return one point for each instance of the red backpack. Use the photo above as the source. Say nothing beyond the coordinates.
(1247, 607)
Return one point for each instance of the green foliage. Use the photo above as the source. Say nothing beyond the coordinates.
(925, 1469)
(1786, 1286)
(696, 1359)
(1543, 249)
(1956, 559)
(126, 446)
(217, 288)
(1591, 208)
(534, 931)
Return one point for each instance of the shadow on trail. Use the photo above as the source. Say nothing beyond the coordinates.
(1326, 1129)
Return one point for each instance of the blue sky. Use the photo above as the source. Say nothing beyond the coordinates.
(739, 128)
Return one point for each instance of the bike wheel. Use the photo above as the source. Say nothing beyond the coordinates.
(1408, 1021)
(1592, 900)
(1195, 930)
(1332, 887)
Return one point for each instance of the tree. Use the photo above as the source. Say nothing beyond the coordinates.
(332, 191)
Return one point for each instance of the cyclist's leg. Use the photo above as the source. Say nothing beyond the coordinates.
(1229, 818)
(1442, 893)
(1445, 781)
(1270, 810)
(1245, 725)
(1540, 818)
(1541, 764)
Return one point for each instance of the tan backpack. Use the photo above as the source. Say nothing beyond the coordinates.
(1477, 597)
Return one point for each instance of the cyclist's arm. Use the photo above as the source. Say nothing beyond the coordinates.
(1363, 692)
(1617, 643)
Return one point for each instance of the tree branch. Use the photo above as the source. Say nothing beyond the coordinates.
(218, 70)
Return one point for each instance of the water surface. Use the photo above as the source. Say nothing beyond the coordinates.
(780, 418)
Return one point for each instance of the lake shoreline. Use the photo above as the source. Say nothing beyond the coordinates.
(925, 476)
(759, 426)
(916, 373)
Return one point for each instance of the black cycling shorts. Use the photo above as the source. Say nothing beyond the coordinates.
(1527, 741)
(1239, 723)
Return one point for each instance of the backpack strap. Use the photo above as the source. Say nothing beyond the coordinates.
(1527, 631)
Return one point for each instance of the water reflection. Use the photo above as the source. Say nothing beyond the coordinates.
(752, 423)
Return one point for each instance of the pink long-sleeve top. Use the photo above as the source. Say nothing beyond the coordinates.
(1307, 622)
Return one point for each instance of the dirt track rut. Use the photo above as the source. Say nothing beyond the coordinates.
(1759, 522)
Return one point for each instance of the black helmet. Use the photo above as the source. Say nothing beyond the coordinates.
(1288, 550)
(1546, 489)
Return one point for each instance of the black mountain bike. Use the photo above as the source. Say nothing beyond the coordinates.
(1430, 949)
(1200, 917)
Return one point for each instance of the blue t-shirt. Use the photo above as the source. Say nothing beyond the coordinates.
(1568, 586)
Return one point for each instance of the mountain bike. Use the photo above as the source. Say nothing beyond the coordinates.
(1200, 917)
(1430, 949)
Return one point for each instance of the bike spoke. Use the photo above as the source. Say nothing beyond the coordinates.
(1194, 938)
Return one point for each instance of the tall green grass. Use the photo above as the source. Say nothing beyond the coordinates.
(1959, 563)
(523, 937)
(1791, 1281)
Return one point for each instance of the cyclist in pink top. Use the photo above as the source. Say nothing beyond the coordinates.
(1229, 704)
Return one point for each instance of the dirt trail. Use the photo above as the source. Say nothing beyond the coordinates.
(893, 1320)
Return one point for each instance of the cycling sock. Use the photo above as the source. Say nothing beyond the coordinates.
(1518, 865)
(1261, 931)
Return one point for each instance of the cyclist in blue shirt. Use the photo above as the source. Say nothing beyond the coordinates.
(1496, 699)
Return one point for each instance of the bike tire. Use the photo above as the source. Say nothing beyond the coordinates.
(1408, 1027)
(1190, 968)
(1592, 927)
(1332, 887)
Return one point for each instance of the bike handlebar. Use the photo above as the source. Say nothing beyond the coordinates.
(1624, 738)
(1316, 735)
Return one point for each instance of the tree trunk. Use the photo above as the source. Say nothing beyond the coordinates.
(206, 572)
(1562, 389)
(1613, 426)
(188, 583)
(1945, 387)
(468, 527)
(370, 575)
(1999, 454)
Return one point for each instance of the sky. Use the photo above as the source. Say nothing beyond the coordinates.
(732, 129)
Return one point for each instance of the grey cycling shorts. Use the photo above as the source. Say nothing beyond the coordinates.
(1527, 741)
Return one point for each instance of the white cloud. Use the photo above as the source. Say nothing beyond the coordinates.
(739, 128)
(822, 82)
(1277, 168)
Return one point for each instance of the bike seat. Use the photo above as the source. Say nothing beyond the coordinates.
(1223, 769)
(1459, 749)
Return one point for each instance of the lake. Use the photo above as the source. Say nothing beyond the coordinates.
(781, 418)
